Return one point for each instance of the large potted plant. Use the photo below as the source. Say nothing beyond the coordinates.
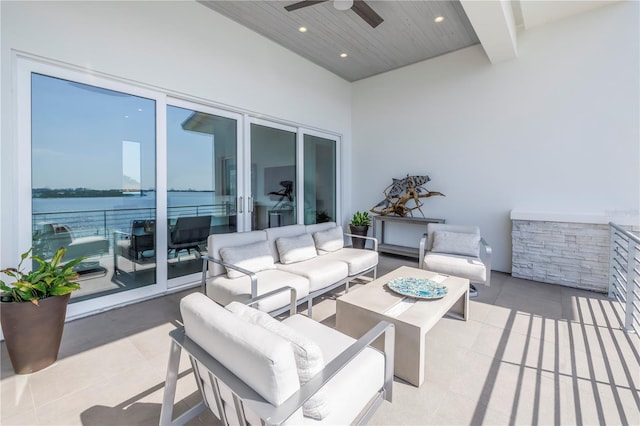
(33, 309)
(359, 225)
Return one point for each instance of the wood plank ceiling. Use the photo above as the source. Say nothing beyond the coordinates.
(408, 34)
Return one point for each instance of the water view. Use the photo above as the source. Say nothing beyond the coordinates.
(104, 215)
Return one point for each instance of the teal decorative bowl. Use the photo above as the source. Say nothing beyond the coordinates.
(419, 288)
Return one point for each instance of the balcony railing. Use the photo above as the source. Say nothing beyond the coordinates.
(624, 274)
(104, 222)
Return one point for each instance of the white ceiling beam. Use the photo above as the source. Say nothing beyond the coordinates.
(495, 27)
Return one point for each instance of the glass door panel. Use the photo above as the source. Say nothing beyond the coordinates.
(201, 183)
(273, 177)
(319, 179)
(93, 182)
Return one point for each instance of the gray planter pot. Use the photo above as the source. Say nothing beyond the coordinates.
(359, 230)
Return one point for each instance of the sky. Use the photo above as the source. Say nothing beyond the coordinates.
(85, 136)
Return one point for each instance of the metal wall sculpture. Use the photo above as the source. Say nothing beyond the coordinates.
(401, 192)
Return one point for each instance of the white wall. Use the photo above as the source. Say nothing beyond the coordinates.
(556, 129)
(180, 46)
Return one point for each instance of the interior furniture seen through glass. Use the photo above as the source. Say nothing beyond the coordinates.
(273, 177)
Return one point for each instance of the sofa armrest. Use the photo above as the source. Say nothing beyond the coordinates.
(205, 267)
(374, 239)
(422, 250)
(292, 304)
(295, 401)
(485, 256)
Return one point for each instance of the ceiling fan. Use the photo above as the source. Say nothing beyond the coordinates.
(358, 6)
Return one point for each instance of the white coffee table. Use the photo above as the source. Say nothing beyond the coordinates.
(362, 308)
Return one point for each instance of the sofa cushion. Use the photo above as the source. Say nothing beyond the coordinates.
(318, 227)
(307, 353)
(225, 290)
(296, 249)
(460, 243)
(273, 234)
(254, 257)
(320, 271)
(217, 241)
(259, 357)
(467, 267)
(346, 396)
(329, 241)
(357, 260)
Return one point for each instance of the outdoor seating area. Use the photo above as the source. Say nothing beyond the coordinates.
(340, 212)
(529, 353)
(311, 259)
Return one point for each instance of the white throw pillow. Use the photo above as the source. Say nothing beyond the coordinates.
(460, 243)
(296, 249)
(307, 354)
(260, 358)
(329, 240)
(254, 257)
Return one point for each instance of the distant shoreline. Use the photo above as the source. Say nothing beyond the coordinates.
(93, 193)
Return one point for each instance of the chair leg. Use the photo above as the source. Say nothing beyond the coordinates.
(168, 399)
(166, 412)
(473, 291)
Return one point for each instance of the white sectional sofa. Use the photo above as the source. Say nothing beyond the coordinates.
(311, 259)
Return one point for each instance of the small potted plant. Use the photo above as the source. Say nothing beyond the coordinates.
(359, 225)
(33, 309)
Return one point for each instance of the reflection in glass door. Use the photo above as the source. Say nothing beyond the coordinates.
(273, 177)
(201, 184)
(93, 182)
(319, 180)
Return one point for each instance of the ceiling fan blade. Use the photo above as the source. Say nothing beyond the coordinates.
(302, 4)
(365, 12)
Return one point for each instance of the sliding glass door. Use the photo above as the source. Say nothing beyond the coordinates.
(93, 180)
(320, 178)
(273, 162)
(135, 181)
(201, 183)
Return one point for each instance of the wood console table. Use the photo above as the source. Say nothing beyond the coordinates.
(397, 249)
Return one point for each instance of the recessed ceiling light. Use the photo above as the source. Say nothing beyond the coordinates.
(343, 55)
(439, 19)
(302, 29)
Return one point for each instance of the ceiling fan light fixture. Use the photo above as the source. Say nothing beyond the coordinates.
(343, 4)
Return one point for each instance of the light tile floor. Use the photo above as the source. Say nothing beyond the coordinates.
(531, 353)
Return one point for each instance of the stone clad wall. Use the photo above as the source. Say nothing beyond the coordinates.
(565, 253)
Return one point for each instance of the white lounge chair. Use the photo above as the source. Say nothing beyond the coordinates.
(456, 250)
(253, 369)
